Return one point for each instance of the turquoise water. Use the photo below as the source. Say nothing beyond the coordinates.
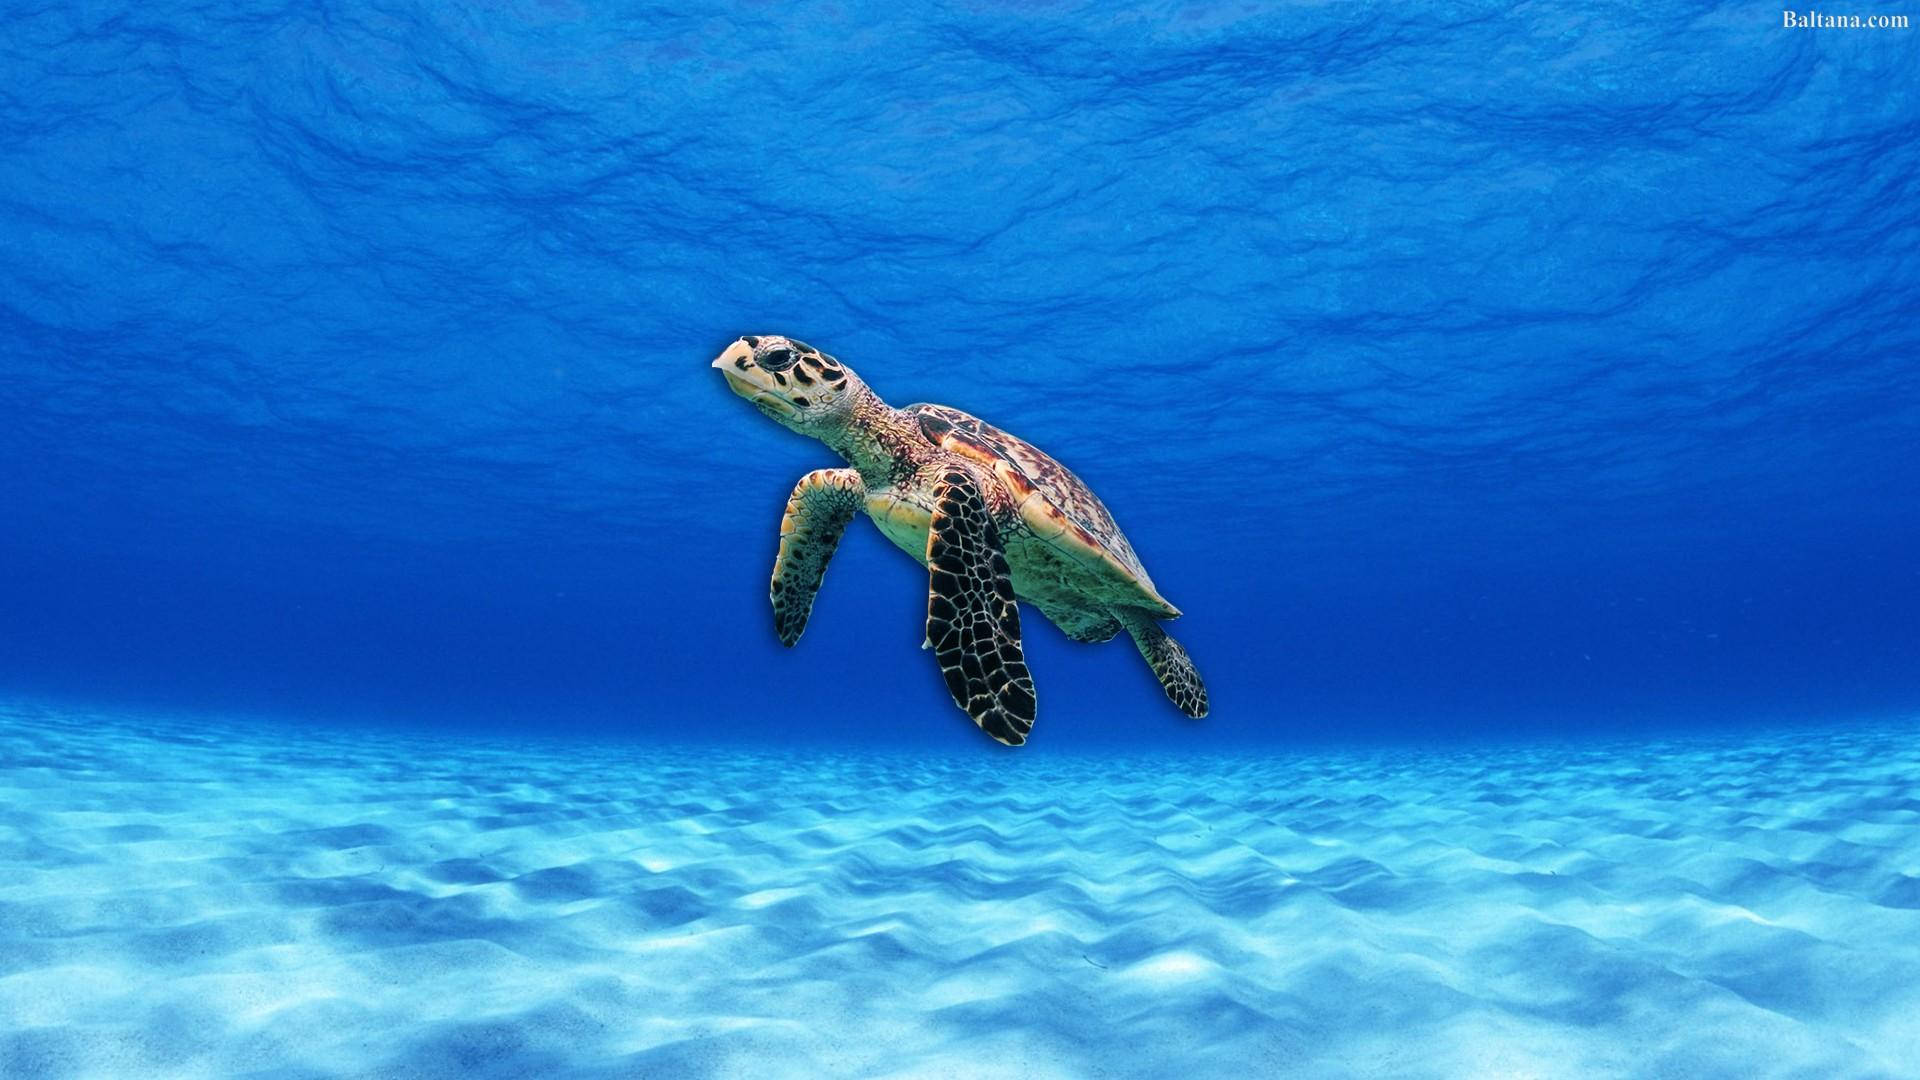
(183, 899)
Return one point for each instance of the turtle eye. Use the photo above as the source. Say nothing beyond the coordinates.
(776, 359)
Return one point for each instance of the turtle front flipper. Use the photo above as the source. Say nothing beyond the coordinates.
(817, 513)
(973, 623)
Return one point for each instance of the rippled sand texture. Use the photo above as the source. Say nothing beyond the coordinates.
(179, 901)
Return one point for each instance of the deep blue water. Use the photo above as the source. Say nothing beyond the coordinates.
(1528, 394)
(1459, 369)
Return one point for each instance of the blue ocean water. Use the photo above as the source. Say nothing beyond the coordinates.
(1521, 402)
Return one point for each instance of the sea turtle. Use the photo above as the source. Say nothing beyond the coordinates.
(990, 517)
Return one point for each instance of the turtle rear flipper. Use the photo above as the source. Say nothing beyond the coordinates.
(817, 513)
(1169, 661)
(973, 623)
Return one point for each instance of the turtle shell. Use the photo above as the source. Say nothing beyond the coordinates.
(1056, 505)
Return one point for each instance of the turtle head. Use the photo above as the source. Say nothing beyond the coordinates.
(792, 382)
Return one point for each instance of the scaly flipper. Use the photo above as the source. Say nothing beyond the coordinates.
(1170, 663)
(973, 623)
(817, 513)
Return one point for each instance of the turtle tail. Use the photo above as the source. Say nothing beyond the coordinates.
(1170, 663)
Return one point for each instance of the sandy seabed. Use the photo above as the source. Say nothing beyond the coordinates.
(195, 900)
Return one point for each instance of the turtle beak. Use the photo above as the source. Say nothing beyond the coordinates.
(750, 381)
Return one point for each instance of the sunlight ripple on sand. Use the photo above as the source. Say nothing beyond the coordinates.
(200, 901)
